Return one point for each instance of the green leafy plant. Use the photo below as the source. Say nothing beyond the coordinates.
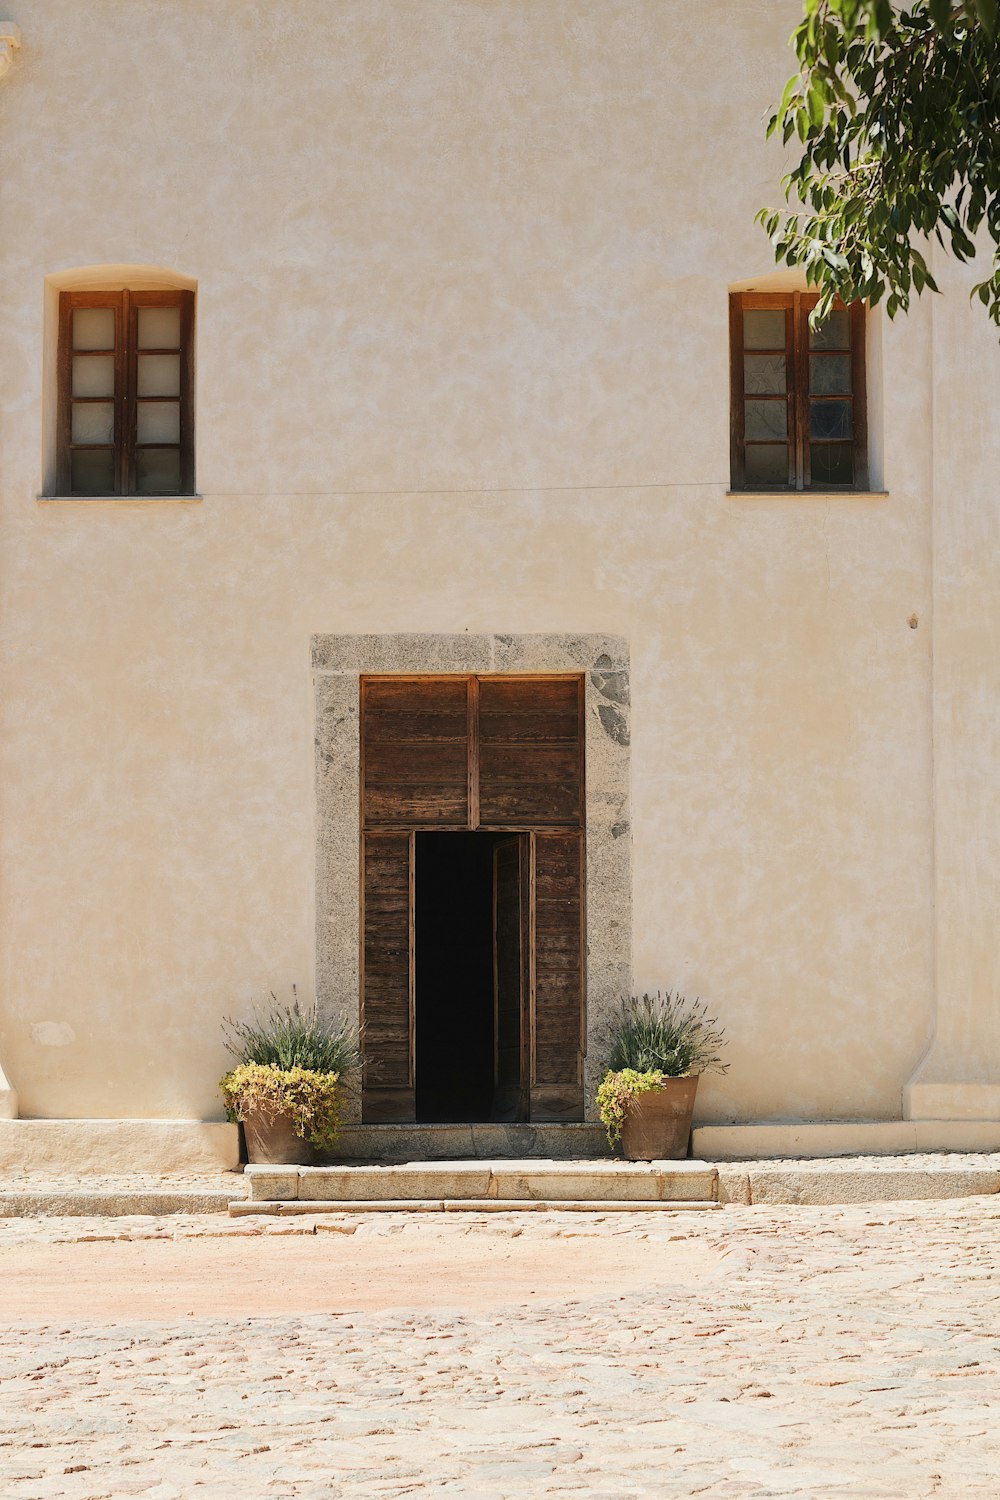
(666, 1034)
(289, 1062)
(311, 1099)
(288, 1036)
(896, 109)
(654, 1038)
(616, 1092)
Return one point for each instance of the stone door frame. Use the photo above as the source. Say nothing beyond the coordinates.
(339, 662)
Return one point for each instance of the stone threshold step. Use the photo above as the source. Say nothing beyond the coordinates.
(111, 1204)
(522, 1181)
(283, 1208)
(401, 1143)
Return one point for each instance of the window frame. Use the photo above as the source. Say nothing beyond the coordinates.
(126, 304)
(797, 306)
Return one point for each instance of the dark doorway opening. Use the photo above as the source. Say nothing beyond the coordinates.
(456, 975)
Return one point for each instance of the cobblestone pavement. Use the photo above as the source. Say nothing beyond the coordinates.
(847, 1351)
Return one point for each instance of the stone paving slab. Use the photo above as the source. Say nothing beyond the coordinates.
(285, 1206)
(861, 1179)
(139, 1193)
(922, 1176)
(526, 1179)
(840, 1353)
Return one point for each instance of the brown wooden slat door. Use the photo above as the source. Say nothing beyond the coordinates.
(558, 1021)
(415, 737)
(530, 752)
(387, 977)
(510, 978)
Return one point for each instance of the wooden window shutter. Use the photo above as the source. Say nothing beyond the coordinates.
(530, 752)
(558, 1027)
(415, 735)
(387, 1014)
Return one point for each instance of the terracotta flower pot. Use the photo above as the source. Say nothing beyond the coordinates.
(658, 1123)
(274, 1141)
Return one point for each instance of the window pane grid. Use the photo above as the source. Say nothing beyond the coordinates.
(767, 412)
(125, 424)
(818, 441)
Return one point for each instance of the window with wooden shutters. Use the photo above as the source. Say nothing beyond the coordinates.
(125, 423)
(798, 415)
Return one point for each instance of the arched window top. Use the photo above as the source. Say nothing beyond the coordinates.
(119, 276)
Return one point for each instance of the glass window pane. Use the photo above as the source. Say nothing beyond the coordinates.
(831, 419)
(92, 471)
(767, 463)
(764, 374)
(93, 375)
(159, 375)
(158, 422)
(93, 422)
(764, 328)
(159, 327)
(766, 419)
(158, 471)
(830, 374)
(93, 328)
(834, 334)
(831, 463)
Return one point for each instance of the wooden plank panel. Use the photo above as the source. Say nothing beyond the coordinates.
(415, 759)
(509, 978)
(387, 977)
(558, 975)
(531, 752)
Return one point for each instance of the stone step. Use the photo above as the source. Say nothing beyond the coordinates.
(31, 1202)
(241, 1207)
(510, 1181)
(402, 1143)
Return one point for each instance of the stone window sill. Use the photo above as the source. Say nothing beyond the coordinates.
(119, 499)
(808, 494)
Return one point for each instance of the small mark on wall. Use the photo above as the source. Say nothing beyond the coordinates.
(52, 1034)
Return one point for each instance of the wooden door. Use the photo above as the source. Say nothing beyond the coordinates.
(558, 1024)
(387, 977)
(495, 753)
(511, 860)
(530, 752)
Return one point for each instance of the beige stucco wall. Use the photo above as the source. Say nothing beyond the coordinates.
(462, 272)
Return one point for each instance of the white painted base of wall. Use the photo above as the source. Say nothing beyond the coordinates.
(952, 1101)
(112, 1146)
(842, 1138)
(8, 1099)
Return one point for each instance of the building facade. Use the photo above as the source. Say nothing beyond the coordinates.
(362, 349)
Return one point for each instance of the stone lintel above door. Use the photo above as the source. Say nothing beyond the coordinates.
(339, 662)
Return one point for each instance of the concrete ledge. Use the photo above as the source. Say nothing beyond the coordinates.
(514, 1181)
(241, 1209)
(112, 1204)
(106, 1147)
(826, 1138)
(833, 1182)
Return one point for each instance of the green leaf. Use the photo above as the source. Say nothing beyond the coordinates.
(986, 10)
